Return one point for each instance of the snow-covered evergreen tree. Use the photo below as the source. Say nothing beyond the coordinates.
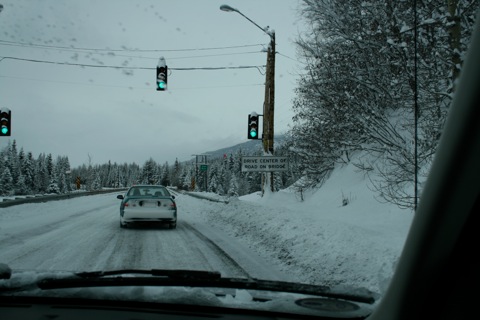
(149, 172)
(20, 187)
(29, 172)
(176, 174)
(97, 181)
(233, 187)
(42, 177)
(165, 175)
(6, 182)
(53, 185)
(213, 184)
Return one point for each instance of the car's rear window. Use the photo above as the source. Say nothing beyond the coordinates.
(148, 191)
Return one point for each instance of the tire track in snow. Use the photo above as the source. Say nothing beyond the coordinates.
(220, 252)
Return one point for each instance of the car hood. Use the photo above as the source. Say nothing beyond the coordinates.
(130, 286)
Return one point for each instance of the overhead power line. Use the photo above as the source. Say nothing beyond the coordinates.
(218, 68)
(126, 67)
(114, 54)
(24, 44)
(112, 51)
(123, 86)
(210, 55)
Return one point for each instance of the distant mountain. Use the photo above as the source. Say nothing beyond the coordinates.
(248, 147)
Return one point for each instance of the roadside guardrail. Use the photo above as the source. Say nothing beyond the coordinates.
(54, 197)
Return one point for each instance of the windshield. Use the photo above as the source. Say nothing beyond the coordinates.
(285, 140)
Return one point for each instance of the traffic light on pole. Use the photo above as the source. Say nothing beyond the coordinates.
(253, 125)
(162, 73)
(5, 122)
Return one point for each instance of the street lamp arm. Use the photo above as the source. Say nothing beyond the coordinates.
(255, 24)
(227, 8)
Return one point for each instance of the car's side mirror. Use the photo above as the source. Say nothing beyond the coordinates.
(120, 197)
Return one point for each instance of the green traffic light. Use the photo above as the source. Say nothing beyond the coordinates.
(253, 133)
(162, 85)
(4, 130)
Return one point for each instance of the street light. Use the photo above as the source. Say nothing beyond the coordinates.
(227, 8)
(269, 104)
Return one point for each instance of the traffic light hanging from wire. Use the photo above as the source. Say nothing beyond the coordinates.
(162, 78)
(253, 126)
(162, 74)
(5, 123)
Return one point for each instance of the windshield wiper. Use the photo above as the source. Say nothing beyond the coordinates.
(194, 278)
(172, 274)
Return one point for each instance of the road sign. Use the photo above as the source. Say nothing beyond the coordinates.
(264, 164)
(203, 167)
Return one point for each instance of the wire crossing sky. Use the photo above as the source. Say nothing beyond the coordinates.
(79, 76)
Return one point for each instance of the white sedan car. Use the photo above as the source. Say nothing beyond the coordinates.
(148, 204)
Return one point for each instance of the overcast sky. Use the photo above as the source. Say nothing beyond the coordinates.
(102, 113)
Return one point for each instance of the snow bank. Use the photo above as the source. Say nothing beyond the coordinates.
(338, 236)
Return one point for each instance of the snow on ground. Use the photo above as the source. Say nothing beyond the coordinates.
(319, 240)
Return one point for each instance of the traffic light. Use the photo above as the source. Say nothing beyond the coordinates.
(162, 78)
(253, 125)
(5, 122)
(162, 73)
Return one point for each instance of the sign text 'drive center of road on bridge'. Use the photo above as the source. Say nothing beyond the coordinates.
(264, 164)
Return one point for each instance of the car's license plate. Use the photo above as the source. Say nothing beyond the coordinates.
(150, 204)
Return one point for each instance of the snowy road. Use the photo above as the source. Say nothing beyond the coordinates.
(83, 234)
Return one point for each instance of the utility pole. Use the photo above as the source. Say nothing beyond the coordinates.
(269, 103)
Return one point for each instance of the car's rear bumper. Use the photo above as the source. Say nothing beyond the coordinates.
(147, 214)
(143, 215)
(133, 220)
